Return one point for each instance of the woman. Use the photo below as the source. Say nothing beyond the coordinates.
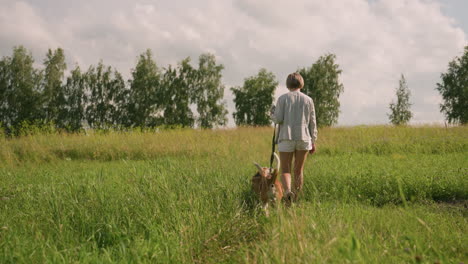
(295, 114)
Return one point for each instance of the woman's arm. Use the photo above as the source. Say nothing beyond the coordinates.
(312, 123)
(279, 112)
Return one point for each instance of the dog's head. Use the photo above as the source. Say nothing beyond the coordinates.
(265, 182)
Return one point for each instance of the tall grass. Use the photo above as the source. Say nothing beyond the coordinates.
(371, 195)
(243, 142)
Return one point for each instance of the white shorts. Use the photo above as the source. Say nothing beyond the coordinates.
(292, 145)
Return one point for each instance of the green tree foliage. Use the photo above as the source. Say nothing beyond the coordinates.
(184, 87)
(400, 113)
(19, 90)
(5, 92)
(120, 101)
(454, 90)
(103, 86)
(178, 87)
(72, 115)
(144, 97)
(322, 84)
(208, 93)
(53, 97)
(254, 99)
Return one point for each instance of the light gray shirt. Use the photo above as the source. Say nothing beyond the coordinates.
(295, 113)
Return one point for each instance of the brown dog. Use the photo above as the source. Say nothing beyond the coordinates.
(266, 184)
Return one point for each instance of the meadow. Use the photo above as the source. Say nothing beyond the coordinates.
(372, 194)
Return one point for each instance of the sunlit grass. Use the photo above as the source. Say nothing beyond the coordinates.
(380, 140)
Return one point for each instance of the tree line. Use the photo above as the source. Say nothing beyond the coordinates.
(178, 96)
(174, 96)
(100, 98)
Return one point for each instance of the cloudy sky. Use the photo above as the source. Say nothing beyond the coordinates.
(375, 41)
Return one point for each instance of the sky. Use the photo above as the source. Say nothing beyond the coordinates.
(375, 41)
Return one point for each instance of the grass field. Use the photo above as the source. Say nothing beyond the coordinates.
(372, 195)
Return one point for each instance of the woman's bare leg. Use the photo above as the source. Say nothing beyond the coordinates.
(299, 161)
(286, 160)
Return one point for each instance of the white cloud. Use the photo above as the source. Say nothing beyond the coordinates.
(20, 23)
(374, 41)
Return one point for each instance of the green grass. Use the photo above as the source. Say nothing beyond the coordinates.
(371, 195)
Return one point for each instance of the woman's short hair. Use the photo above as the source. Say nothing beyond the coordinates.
(294, 81)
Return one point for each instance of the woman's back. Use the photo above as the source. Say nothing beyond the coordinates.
(296, 114)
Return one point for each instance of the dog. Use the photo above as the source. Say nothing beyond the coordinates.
(267, 185)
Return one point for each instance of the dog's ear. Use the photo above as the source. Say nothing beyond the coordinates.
(260, 169)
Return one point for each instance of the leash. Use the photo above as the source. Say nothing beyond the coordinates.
(273, 147)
